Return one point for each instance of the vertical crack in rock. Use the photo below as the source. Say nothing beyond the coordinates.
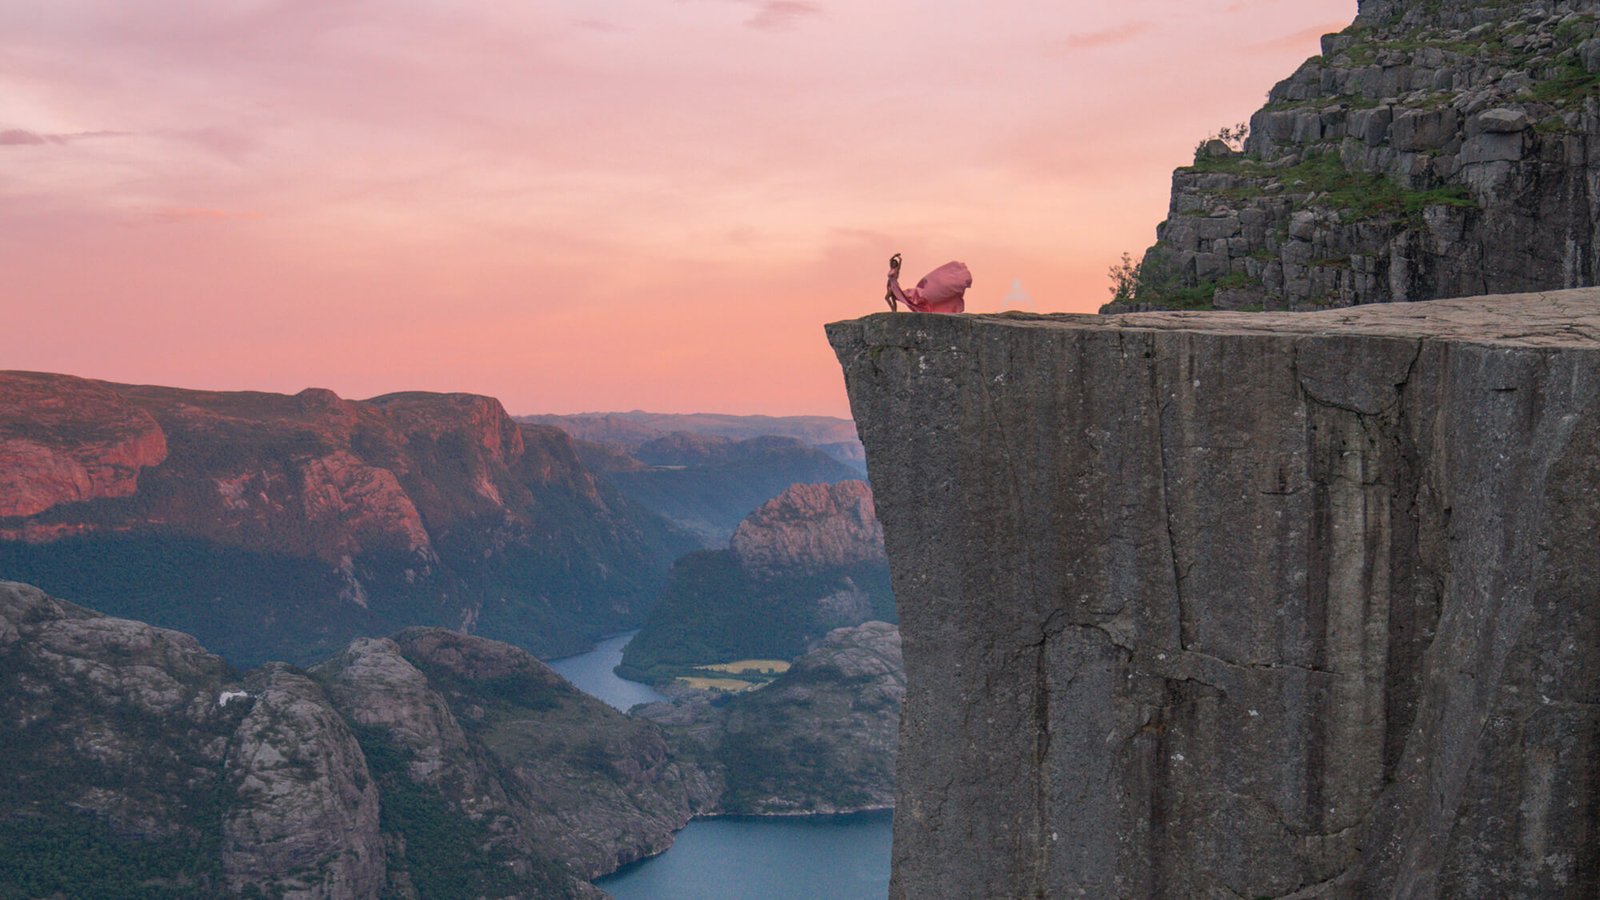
(1041, 761)
(1165, 463)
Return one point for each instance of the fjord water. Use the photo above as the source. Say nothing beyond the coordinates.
(741, 857)
(592, 673)
(774, 858)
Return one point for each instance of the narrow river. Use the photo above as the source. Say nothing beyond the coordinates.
(741, 857)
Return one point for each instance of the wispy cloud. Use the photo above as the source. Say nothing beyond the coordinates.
(1107, 37)
(21, 137)
(780, 15)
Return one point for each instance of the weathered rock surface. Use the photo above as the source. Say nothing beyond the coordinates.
(303, 818)
(811, 527)
(819, 739)
(1215, 604)
(1434, 149)
(278, 526)
(553, 787)
(430, 764)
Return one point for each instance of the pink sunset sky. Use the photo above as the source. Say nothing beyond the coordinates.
(584, 205)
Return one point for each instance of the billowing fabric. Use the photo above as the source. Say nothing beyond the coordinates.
(943, 290)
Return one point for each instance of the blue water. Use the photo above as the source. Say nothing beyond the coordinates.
(741, 857)
(591, 673)
(766, 858)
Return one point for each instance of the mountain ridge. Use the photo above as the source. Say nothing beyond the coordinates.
(315, 519)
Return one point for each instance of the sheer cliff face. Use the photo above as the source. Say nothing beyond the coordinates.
(1434, 149)
(276, 525)
(1212, 604)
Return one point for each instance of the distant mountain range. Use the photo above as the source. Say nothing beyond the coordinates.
(276, 526)
(631, 429)
(433, 761)
(707, 484)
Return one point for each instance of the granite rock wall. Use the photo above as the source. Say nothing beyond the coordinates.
(1216, 604)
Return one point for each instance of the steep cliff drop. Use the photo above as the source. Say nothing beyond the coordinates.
(1214, 604)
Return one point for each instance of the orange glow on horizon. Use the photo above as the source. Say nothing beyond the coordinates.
(579, 208)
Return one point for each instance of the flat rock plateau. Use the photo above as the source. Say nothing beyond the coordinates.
(1265, 605)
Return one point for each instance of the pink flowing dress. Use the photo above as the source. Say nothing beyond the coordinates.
(941, 291)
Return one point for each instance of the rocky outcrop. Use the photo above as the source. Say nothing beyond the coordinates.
(1433, 150)
(552, 785)
(303, 817)
(67, 440)
(429, 764)
(1209, 604)
(123, 761)
(810, 527)
(282, 526)
(808, 561)
(819, 739)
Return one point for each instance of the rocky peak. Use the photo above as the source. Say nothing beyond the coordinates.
(811, 527)
(870, 650)
(380, 688)
(1433, 149)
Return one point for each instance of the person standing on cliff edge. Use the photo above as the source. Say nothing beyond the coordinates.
(943, 290)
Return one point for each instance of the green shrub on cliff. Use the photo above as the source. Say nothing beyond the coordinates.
(1153, 282)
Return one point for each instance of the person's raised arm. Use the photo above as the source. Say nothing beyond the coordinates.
(894, 294)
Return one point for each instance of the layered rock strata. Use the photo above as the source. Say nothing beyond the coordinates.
(1434, 149)
(1216, 604)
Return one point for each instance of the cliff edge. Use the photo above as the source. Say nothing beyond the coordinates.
(1264, 605)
